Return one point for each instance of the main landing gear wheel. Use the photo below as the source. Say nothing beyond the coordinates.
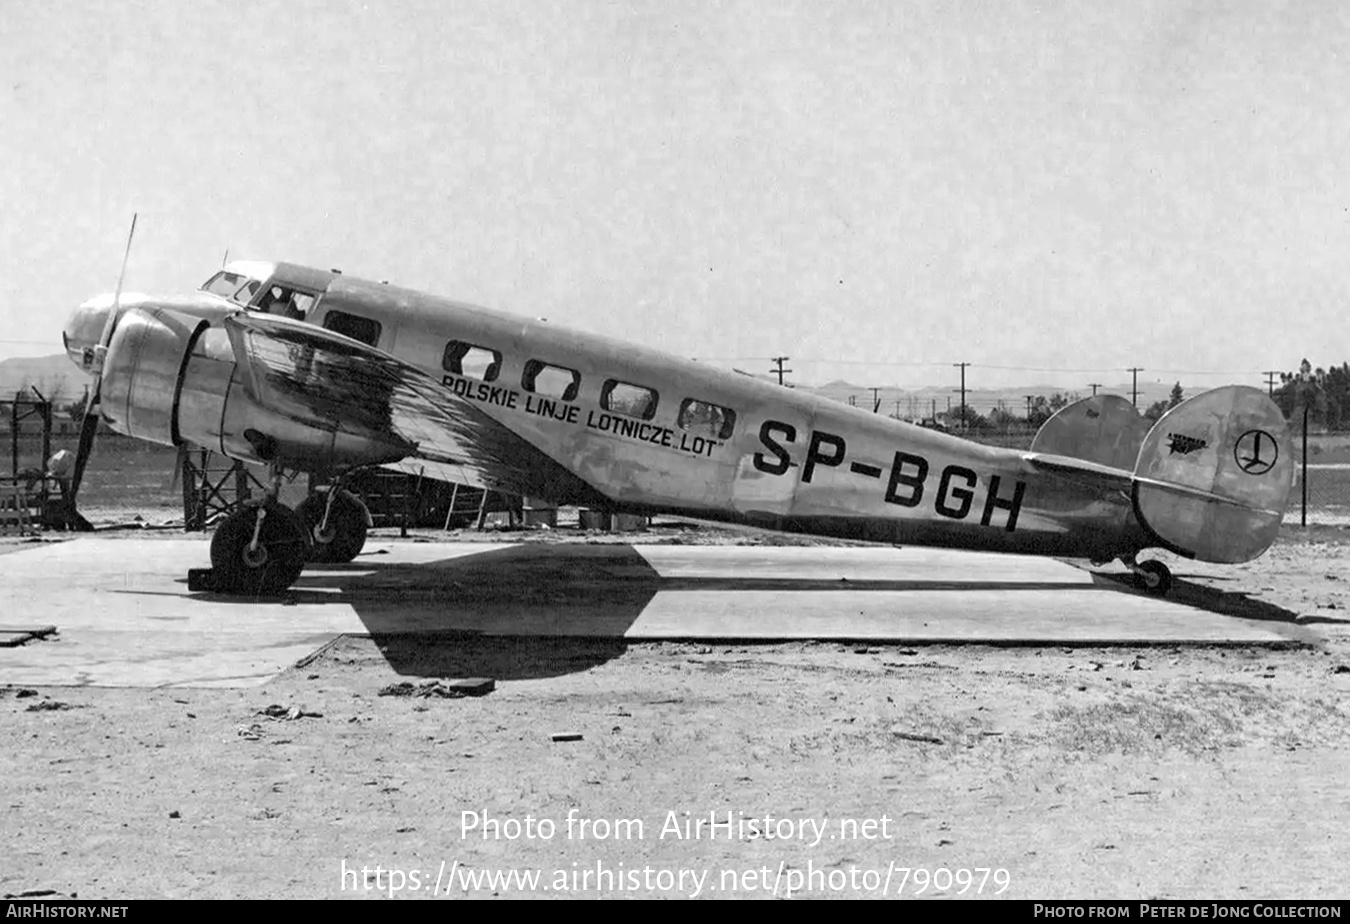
(344, 536)
(1153, 577)
(272, 565)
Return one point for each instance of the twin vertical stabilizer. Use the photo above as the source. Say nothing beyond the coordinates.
(1212, 477)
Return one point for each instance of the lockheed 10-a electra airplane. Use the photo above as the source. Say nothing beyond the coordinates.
(312, 371)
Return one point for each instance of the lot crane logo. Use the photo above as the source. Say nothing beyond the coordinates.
(1256, 452)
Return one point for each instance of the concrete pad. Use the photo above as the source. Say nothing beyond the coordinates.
(126, 618)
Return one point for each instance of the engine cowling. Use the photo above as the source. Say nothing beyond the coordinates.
(143, 372)
(173, 379)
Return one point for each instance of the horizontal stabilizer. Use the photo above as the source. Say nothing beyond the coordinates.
(1214, 475)
(1105, 429)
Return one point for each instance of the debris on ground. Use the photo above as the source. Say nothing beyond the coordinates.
(445, 689)
(290, 713)
(14, 637)
(51, 705)
(911, 736)
(249, 732)
(566, 736)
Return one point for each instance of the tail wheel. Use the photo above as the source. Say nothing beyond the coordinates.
(270, 567)
(345, 534)
(1153, 577)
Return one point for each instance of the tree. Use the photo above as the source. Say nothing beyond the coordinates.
(1001, 418)
(1323, 393)
(1042, 408)
(1040, 411)
(74, 410)
(1177, 397)
(1156, 410)
(973, 420)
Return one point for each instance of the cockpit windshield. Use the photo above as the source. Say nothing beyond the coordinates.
(235, 286)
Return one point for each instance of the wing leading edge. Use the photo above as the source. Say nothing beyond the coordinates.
(318, 378)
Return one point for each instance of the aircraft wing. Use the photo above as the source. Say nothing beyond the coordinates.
(316, 376)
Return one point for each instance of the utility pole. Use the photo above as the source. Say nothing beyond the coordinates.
(852, 400)
(780, 371)
(1270, 381)
(1094, 386)
(876, 401)
(1029, 397)
(1134, 388)
(962, 367)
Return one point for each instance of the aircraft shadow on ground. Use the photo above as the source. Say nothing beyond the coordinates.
(526, 611)
(1232, 603)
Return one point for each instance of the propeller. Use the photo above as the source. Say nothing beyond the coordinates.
(89, 424)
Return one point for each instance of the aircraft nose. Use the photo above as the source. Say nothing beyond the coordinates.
(84, 330)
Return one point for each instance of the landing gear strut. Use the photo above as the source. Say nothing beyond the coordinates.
(335, 524)
(1152, 577)
(259, 550)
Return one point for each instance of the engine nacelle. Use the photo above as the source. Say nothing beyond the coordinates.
(173, 379)
(143, 372)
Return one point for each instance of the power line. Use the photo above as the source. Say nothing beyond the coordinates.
(1003, 368)
(1134, 389)
(1270, 381)
(962, 367)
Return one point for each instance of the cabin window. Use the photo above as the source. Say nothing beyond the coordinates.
(471, 361)
(624, 398)
(705, 419)
(551, 381)
(287, 303)
(354, 326)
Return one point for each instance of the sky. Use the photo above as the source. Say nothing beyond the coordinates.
(1051, 192)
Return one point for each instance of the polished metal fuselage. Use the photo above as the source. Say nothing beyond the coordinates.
(791, 460)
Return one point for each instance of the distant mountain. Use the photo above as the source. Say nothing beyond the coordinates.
(55, 376)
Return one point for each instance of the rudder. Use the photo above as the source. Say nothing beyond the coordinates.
(1214, 475)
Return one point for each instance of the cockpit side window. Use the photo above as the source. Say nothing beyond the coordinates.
(231, 285)
(234, 286)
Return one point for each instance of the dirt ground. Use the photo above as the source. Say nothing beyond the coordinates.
(827, 770)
